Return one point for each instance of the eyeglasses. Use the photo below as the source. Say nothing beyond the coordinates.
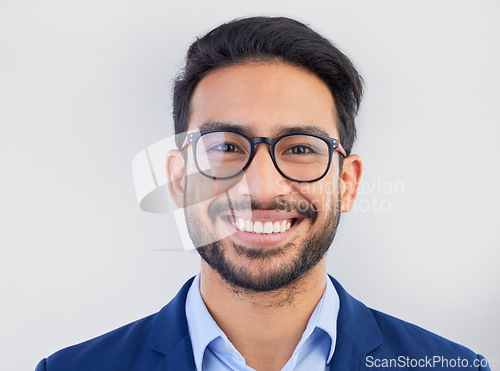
(300, 157)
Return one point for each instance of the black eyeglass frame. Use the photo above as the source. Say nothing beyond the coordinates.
(333, 145)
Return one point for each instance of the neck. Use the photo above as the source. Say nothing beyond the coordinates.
(264, 327)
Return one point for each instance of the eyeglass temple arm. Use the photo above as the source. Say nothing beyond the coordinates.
(341, 149)
(185, 143)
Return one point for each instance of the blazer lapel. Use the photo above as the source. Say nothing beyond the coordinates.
(357, 332)
(170, 335)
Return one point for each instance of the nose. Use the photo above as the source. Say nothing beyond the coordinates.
(262, 181)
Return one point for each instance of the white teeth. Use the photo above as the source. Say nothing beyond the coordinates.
(249, 226)
(268, 227)
(258, 227)
(240, 224)
(276, 227)
(261, 227)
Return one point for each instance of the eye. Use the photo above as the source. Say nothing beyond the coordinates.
(300, 150)
(226, 147)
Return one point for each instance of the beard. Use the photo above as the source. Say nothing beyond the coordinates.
(277, 275)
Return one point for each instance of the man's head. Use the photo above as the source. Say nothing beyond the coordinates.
(263, 77)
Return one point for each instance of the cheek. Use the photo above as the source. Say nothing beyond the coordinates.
(199, 192)
(198, 188)
(321, 194)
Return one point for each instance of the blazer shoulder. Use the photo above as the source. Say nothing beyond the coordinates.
(409, 339)
(120, 348)
(42, 365)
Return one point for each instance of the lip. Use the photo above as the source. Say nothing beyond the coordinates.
(265, 239)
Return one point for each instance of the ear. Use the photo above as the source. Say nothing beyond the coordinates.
(349, 181)
(175, 176)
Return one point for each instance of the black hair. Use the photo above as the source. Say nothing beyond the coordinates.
(271, 39)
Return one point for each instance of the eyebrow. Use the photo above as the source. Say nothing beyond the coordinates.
(224, 125)
(302, 128)
(244, 129)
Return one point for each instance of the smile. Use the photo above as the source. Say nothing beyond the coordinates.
(261, 227)
(264, 228)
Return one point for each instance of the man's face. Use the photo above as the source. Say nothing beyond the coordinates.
(262, 100)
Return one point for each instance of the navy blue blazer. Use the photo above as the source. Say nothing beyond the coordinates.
(366, 340)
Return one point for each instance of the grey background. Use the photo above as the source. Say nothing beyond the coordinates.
(84, 86)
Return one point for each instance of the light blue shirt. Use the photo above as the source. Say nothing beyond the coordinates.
(212, 349)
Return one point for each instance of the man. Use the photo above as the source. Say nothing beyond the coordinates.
(264, 113)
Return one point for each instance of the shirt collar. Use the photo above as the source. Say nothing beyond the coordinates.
(323, 320)
(203, 329)
(328, 310)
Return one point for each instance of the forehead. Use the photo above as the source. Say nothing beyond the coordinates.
(264, 99)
